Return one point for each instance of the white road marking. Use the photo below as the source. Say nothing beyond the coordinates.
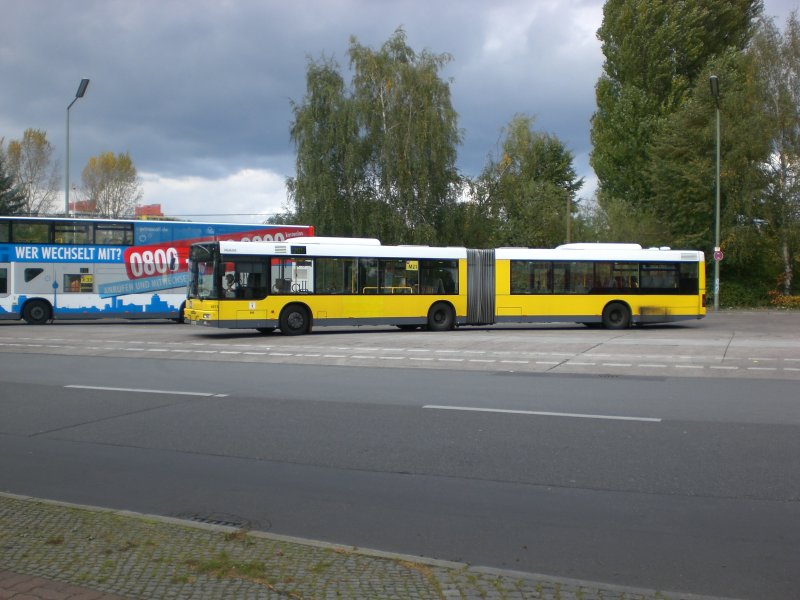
(139, 390)
(543, 413)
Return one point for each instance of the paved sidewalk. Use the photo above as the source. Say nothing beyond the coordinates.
(56, 551)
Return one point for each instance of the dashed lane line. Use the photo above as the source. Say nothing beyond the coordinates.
(539, 413)
(146, 391)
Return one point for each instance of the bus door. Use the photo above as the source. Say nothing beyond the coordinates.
(5, 290)
(480, 287)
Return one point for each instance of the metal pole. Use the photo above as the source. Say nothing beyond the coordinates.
(714, 83)
(716, 228)
(66, 169)
(79, 94)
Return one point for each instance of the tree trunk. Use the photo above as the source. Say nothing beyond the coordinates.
(788, 271)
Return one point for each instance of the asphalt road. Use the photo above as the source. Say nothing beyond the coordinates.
(563, 450)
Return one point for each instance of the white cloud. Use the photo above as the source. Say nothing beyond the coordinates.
(246, 196)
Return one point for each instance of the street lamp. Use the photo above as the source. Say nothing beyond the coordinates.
(714, 81)
(79, 94)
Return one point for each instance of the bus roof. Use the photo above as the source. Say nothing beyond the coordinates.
(600, 252)
(150, 222)
(342, 241)
(340, 249)
(371, 247)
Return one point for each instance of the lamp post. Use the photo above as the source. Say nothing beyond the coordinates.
(79, 94)
(714, 81)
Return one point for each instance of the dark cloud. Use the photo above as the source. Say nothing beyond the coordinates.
(204, 88)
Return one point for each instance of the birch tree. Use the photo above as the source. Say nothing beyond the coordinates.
(30, 162)
(111, 182)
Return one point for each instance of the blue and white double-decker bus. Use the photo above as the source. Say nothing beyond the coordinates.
(61, 268)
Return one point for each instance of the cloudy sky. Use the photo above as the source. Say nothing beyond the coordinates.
(199, 92)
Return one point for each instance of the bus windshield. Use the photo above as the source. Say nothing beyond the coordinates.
(203, 284)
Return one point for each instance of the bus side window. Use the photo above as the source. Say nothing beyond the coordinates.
(3, 280)
(32, 273)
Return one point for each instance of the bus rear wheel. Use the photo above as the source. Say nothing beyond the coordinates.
(36, 312)
(441, 317)
(295, 320)
(616, 315)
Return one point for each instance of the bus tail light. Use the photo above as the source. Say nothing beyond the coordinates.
(704, 300)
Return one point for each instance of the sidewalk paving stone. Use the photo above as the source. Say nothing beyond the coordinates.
(57, 551)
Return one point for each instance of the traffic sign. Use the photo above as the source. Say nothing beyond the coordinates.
(718, 255)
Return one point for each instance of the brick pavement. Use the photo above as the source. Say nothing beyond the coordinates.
(30, 587)
(57, 551)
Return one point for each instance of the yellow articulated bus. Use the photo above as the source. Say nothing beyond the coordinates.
(318, 281)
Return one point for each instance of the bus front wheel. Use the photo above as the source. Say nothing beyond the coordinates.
(295, 320)
(441, 317)
(37, 312)
(616, 315)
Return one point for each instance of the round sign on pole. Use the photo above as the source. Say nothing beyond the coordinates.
(718, 256)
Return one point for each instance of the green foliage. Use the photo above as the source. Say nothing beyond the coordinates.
(378, 159)
(776, 72)
(618, 221)
(329, 189)
(682, 179)
(525, 196)
(12, 202)
(744, 292)
(655, 52)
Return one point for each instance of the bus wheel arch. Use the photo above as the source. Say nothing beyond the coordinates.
(617, 315)
(181, 314)
(441, 316)
(295, 319)
(37, 312)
